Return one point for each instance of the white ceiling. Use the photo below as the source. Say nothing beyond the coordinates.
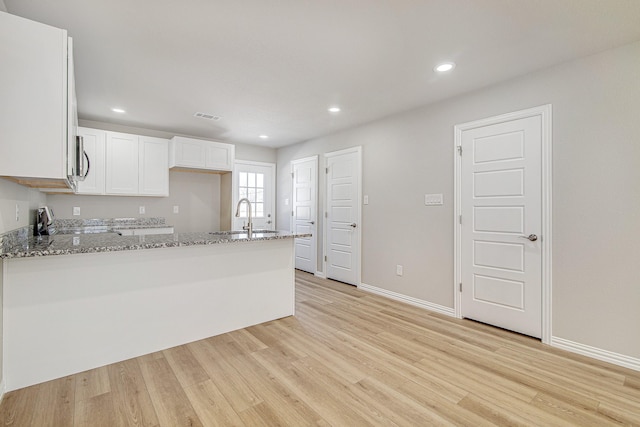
(274, 66)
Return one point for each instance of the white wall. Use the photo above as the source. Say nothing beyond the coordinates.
(596, 193)
(27, 199)
(196, 194)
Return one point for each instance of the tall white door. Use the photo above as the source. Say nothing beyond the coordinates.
(256, 182)
(343, 215)
(304, 209)
(501, 224)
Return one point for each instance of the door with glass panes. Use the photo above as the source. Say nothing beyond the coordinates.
(256, 182)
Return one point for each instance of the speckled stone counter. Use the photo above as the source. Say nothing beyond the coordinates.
(21, 245)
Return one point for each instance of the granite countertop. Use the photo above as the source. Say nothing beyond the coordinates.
(100, 235)
(67, 244)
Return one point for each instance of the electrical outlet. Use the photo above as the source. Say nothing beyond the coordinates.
(76, 210)
(142, 210)
(17, 212)
(176, 209)
(76, 240)
(399, 270)
(366, 199)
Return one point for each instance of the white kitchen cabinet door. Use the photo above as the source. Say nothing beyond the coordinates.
(219, 156)
(187, 153)
(153, 166)
(33, 101)
(122, 167)
(193, 153)
(94, 146)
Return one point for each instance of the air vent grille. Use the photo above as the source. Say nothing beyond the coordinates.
(207, 116)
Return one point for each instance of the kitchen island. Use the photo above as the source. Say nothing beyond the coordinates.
(77, 302)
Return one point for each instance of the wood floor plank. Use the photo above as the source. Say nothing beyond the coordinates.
(333, 408)
(18, 407)
(54, 403)
(571, 413)
(292, 410)
(212, 407)
(96, 411)
(172, 406)
(347, 358)
(236, 390)
(92, 383)
(130, 396)
(185, 366)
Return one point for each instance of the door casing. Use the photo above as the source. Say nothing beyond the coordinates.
(545, 113)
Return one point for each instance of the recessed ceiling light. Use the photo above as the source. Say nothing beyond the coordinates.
(118, 110)
(334, 109)
(264, 136)
(444, 67)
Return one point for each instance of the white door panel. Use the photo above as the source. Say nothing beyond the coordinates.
(304, 209)
(343, 216)
(505, 256)
(499, 219)
(256, 182)
(501, 205)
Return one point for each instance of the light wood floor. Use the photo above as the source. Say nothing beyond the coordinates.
(347, 358)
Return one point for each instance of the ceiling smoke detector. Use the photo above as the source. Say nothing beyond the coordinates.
(207, 116)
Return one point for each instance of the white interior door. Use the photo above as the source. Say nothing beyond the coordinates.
(501, 224)
(343, 215)
(256, 182)
(304, 210)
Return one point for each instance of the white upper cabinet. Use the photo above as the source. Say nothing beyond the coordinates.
(153, 160)
(136, 165)
(193, 153)
(94, 147)
(122, 164)
(187, 153)
(36, 81)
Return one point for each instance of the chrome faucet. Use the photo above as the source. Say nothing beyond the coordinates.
(249, 226)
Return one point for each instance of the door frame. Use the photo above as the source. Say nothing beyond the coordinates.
(325, 205)
(235, 182)
(545, 113)
(313, 158)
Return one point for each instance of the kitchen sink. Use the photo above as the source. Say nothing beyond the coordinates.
(224, 233)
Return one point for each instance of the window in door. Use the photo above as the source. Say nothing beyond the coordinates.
(256, 182)
(251, 186)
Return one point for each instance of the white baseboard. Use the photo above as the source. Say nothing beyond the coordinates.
(2, 390)
(597, 353)
(320, 274)
(407, 299)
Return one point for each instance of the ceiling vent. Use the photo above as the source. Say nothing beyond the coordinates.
(207, 116)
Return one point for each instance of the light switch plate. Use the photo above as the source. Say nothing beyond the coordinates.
(176, 209)
(142, 210)
(433, 199)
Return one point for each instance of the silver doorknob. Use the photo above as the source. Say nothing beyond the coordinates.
(531, 237)
(353, 224)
